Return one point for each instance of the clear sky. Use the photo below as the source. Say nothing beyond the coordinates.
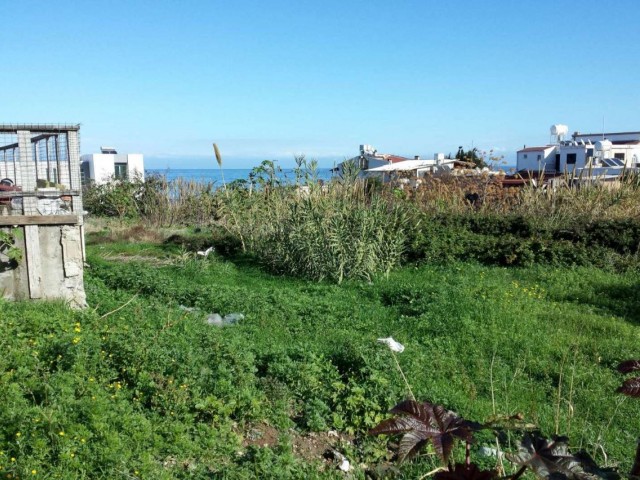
(269, 79)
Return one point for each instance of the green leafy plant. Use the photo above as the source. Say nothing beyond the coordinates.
(8, 245)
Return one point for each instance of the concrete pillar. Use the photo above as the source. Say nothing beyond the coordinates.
(73, 145)
(26, 172)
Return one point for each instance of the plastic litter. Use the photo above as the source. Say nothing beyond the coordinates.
(342, 463)
(490, 452)
(232, 318)
(186, 309)
(345, 466)
(217, 320)
(205, 253)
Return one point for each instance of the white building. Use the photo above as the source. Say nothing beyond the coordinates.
(109, 164)
(369, 158)
(584, 150)
(387, 167)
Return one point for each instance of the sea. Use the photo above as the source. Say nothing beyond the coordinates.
(211, 175)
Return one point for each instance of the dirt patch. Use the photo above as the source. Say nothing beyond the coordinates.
(314, 446)
(310, 446)
(260, 436)
(139, 258)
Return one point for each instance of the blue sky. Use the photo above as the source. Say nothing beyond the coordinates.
(269, 79)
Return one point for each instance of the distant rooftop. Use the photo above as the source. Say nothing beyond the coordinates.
(108, 150)
(535, 149)
(578, 134)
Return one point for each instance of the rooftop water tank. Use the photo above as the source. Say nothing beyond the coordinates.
(559, 129)
(603, 145)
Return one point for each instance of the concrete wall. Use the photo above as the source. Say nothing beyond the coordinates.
(135, 161)
(54, 269)
(102, 165)
(631, 154)
(581, 157)
(529, 160)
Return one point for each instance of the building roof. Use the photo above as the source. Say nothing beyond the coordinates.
(535, 149)
(407, 165)
(625, 142)
(395, 158)
(577, 135)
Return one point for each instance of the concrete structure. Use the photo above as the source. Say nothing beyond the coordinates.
(583, 151)
(109, 164)
(40, 199)
(415, 168)
(368, 158)
(389, 167)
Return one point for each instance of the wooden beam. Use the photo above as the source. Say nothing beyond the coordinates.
(34, 264)
(39, 220)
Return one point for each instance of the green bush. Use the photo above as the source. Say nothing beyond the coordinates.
(520, 241)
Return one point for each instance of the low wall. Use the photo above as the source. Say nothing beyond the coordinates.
(51, 266)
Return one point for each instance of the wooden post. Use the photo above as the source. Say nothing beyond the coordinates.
(34, 264)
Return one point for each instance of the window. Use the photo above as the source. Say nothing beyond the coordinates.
(539, 157)
(85, 173)
(571, 158)
(524, 156)
(120, 171)
(619, 156)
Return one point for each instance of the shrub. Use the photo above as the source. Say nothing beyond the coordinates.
(332, 237)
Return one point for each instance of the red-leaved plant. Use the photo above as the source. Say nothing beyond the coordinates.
(420, 423)
(549, 459)
(631, 386)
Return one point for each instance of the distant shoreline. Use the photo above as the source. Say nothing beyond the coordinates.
(230, 174)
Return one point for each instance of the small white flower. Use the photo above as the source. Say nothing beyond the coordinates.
(392, 344)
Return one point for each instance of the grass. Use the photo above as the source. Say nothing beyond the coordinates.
(150, 390)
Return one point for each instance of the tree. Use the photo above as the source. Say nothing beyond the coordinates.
(472, 156)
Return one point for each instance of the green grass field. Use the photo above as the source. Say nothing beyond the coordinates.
(137, 386)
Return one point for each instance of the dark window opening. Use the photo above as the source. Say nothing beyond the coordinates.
(619, 156)
(120, 171)
(85, 173)
(571, 158)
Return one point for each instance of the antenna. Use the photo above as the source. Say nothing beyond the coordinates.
(603, 127)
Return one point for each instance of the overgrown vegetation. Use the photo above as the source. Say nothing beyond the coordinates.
(349, 228)
(140, 384)
(144, 385)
